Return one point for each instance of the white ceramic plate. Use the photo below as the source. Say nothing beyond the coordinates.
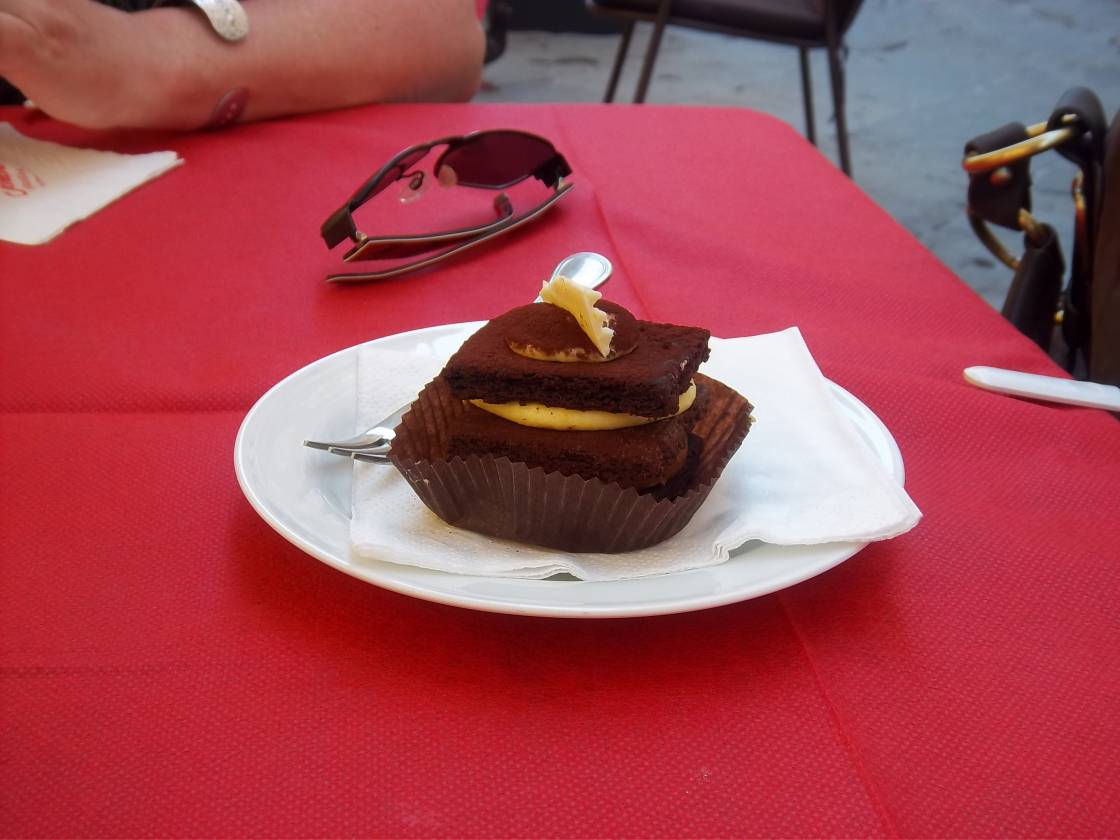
(305, 495)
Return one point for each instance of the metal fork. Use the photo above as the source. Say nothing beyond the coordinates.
(371, 445)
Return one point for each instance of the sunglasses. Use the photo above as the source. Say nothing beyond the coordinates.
(491, 160)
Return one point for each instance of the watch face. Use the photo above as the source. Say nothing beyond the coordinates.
(226, 16)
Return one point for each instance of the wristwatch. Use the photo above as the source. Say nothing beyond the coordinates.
(226, 16)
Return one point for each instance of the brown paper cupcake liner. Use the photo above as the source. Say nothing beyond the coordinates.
(510, 500)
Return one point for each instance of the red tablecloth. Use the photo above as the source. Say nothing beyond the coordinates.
(171, 666)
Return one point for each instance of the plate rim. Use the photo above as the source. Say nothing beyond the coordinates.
(840, 551)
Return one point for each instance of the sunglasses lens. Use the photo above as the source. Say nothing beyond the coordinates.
(498, 159)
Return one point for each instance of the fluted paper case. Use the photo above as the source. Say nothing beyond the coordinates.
(509, 499)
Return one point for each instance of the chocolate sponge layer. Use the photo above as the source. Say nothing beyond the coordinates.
(646, 382)
(641, 456)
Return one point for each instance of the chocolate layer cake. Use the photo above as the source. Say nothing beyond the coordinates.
(573, 425)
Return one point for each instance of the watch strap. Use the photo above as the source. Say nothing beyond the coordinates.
(226, 16)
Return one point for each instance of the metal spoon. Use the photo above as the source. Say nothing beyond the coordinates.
(585, 268)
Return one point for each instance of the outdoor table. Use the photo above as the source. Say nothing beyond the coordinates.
(171, 666)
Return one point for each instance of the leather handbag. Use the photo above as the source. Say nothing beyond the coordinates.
(1074, 317)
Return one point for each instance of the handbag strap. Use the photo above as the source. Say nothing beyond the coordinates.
(1036, 288)
(999, 195)
(1080, 106)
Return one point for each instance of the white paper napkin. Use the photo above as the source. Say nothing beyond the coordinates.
(46, 187)
(802, 476)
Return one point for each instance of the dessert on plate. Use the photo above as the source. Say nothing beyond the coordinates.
(571, 424)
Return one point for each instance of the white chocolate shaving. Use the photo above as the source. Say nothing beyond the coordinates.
(580, 302)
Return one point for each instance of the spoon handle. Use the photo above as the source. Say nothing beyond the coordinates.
(1049, 388)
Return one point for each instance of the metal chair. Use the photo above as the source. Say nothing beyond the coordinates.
(805, 24)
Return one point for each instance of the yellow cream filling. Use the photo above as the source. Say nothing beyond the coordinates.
(541, 416)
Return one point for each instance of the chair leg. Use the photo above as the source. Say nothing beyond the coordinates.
(807, 95)
(619, 60)
(836, 72)
(651, 51)
(836, 69)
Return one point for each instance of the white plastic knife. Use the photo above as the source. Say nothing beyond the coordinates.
(1049, 388)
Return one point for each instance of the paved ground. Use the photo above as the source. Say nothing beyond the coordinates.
(923, 77)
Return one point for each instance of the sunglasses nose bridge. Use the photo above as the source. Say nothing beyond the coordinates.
(415, 185)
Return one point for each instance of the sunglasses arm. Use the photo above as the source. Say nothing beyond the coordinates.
(506, 223)
(339, 227)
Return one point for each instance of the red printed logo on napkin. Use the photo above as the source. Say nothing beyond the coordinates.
(17, 182)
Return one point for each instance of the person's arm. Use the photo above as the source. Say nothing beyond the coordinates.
(98, 67)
